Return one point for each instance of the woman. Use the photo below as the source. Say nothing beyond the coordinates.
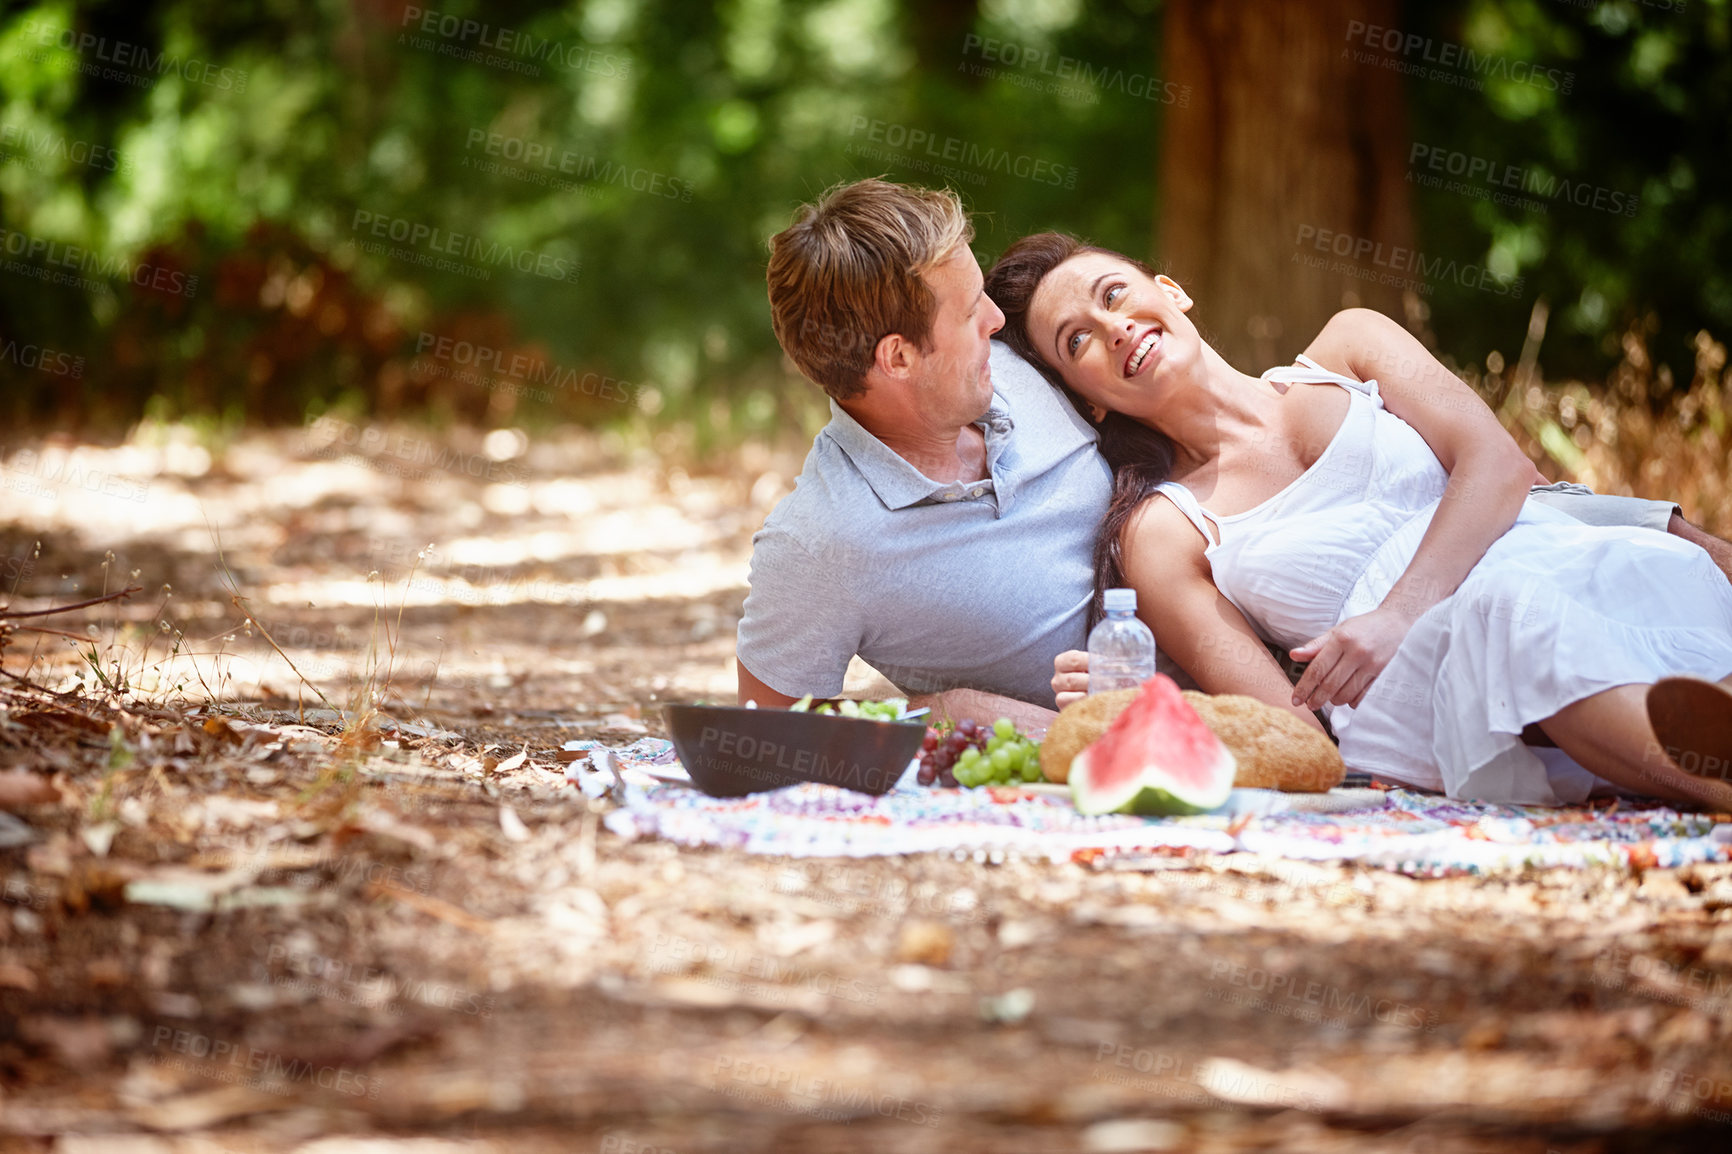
(1375, 521)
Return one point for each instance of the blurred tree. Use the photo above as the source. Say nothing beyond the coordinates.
(1288, 138)
(661, 142)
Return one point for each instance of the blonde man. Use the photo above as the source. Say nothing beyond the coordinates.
(943, 524)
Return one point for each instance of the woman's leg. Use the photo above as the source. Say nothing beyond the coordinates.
(1609, 735)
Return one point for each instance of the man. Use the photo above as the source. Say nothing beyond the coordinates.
(943, 526)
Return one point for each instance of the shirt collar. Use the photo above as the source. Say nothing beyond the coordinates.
(896, 482)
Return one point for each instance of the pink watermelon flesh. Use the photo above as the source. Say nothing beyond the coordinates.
(1157, 757)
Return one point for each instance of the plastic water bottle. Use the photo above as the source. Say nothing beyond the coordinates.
(1121, 648)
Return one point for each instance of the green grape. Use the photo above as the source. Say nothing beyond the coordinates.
(1000, 760)
(1030, 771)
(1005, 728)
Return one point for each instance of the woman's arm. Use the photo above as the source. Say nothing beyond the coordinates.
(1196, 626)
(1489, 478)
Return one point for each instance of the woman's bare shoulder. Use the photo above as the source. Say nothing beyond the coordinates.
(1350, 335)
(1160, 541)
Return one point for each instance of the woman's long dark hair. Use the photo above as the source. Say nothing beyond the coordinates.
(1140, 457)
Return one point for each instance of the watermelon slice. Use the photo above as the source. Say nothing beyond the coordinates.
(1157, 758)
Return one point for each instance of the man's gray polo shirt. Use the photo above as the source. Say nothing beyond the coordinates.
(937, 585)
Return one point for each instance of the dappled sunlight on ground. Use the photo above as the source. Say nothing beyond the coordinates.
(257, 916)
(329, 539)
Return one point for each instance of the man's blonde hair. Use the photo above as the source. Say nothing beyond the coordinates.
(849, 272)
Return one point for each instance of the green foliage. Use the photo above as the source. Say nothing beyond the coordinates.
(589, 186)
(1620, 215)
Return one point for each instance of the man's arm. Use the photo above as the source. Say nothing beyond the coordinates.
(951, 705)
(984, 707)
(751, 689)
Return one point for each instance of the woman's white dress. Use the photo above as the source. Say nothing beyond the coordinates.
(1556, 610)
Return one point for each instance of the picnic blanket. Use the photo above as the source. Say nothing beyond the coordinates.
(1414, 833)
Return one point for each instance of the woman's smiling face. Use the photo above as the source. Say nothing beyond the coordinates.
(1115, 334)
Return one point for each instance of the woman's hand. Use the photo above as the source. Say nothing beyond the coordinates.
(1348, 658)
(1070, 678)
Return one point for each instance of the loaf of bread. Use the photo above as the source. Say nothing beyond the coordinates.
(1274, 749)
(1078, 725)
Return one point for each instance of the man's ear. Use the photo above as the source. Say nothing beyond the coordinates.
(1096, 413)
(894, 357)
(1174, 290)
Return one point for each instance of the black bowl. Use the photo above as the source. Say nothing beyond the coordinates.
(730, 751)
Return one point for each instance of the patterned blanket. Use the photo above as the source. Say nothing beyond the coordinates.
(1414, 833)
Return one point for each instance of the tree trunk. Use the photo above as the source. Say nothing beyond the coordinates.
(1284, 137)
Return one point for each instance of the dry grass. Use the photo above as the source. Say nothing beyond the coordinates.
(1634, 435)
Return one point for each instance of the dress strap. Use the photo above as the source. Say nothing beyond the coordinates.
(1309, 372)
(1187, 503)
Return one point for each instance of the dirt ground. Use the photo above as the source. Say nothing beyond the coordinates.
(260, 916)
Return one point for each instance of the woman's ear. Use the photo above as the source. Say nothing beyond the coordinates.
(1176, 291)
(1096, 413)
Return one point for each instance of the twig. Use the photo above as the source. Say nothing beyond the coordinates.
(239, 603)
(79, 637)
(120, 596)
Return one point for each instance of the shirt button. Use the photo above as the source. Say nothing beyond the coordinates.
(975, 492)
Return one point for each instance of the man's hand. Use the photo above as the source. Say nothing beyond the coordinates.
(1070, 678)
(1348, 658)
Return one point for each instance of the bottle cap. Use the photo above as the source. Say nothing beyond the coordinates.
(1117, 599)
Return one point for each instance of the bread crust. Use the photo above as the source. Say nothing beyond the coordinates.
(1274, 749)
(1077, 725)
